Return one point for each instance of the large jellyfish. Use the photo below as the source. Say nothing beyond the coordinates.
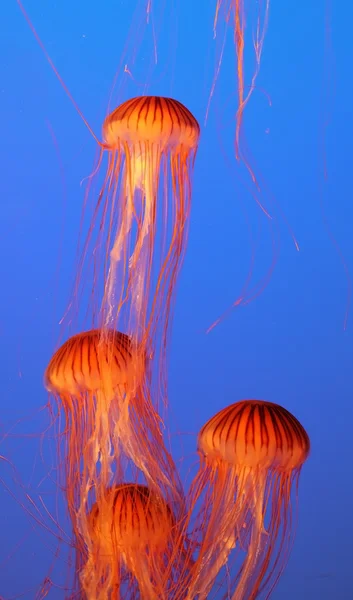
(134, 542)
(108, 420)
(144, 204)
(251, 455)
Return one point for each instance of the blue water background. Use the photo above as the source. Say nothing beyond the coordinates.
(288, 345)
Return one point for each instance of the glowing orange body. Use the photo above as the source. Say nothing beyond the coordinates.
(251, 455)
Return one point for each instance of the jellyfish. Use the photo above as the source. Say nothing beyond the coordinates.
(251, 456)
(108, 421)
(145, 198)
(133, 540)
(147, 137)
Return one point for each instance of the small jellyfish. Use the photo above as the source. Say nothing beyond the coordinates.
(133, 540)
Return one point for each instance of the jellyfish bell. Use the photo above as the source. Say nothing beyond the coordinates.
(89, 362)
(137, 501)
(151, 120)
(132, 532)
(251, 454)
(262, 435)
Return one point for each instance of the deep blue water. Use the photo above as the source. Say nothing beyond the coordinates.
(289, 344)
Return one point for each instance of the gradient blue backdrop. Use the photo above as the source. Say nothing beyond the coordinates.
(288, 346)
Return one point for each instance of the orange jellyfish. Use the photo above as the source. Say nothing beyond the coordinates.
(133, 543)
(152, 143)
(108, 420)
(145, 205)
(251, 455)
(234, 11)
